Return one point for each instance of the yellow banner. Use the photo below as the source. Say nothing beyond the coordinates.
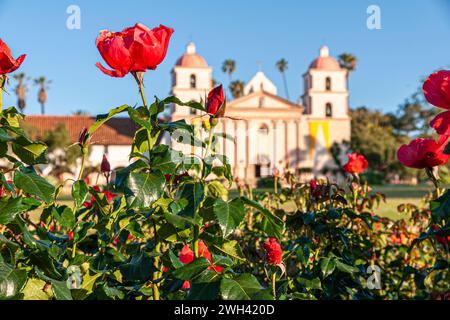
(315, 128)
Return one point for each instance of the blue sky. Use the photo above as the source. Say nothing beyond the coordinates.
(414, 41)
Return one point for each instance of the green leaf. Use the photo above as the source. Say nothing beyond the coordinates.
(440, 208)
(242, 287)
(9, 208)
(29, 152)
(34, 185)
(229, 214)
(13, 284)
(142, 189)
(310, 283)
(345, 267)
(101, 119)
(232, 249)
(139, 269)
(327, 266)
(273, 225)
(87, 286)
(191, 104)
(34, 290)
(80, 192)
(189, 271)
(190, 197)
(205, 287)
(61, 290)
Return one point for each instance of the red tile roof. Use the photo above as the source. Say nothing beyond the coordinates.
(116, 131)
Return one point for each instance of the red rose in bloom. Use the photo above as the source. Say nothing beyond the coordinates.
(134, 49)
(423, 153)
(105, 167)
(215, 102)
(357, 163)
(437, 89)
(187, 256)
(441, 123)
(273, 251)
(7, 63)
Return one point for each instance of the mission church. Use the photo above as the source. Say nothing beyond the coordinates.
(267, 130)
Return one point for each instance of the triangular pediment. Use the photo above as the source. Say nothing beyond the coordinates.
(262, 99)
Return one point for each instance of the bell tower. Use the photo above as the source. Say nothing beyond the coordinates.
(191, 80)
(325, 88)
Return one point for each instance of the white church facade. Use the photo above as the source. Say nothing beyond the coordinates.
(267, 130)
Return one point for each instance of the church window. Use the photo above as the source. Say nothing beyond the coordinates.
(328, 84)
(328, 110)
(193, 81)
(261, 102)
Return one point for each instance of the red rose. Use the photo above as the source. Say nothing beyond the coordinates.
(7, 63)
(273, 251)
(108, 195)
(357, 163)
(186, 285)
(187, 255)
(105, 167)
(70, 234)
(441, 123)
(215, 102)
(437, 89)
(423, 153)
(134, 49)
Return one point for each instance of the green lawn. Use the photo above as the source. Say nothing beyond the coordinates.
(395, 195)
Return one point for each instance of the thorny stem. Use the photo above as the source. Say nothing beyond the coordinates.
(156, 295)
(274, 281)
(83, 162)
(2, 83)
(432, 177)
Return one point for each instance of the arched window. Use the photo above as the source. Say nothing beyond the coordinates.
(328, 110)
(193, 81)
(264, 129)
(328, 84)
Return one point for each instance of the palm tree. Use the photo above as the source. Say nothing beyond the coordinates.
(43, 83)
(237, 88)
(348, 61)
(228, 67)
(21, 90)
(282, 66)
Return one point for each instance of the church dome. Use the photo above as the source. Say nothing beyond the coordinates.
(325, 62)
(191, 59)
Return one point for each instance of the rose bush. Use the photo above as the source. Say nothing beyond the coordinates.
(166, 226)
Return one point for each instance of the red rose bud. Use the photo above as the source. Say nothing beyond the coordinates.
(437, 89)
(135, 49)
(424, 153)
(276, 172)
(273, 251)
(186, 285)
(105, 167)
(7, 63)
(357, 163)
(215, 104)
(83, 137)
(70, 234)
